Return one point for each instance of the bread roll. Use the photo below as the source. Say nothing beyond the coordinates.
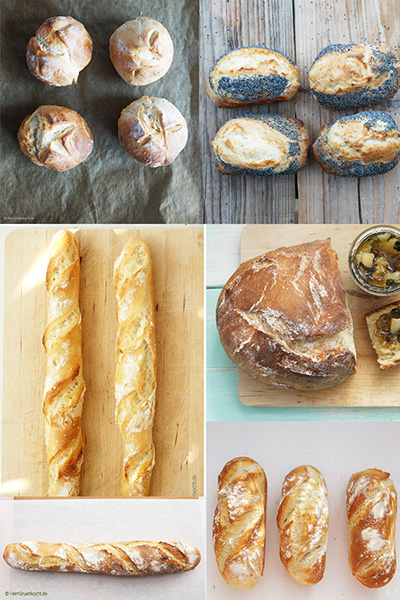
(239, 522)
(282, 318)
(135, 377)
(141, 51)
(59, 51)
(121, 558)
(360, 145)
(153, 131)
(64, 387)
(55, 137)
(371, 502)
(350, 75)
(302, 519)
(261, 145)
(384, 330)
(252, 75)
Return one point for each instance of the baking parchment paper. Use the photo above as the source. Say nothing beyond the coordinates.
(110, 186)
(79, 520)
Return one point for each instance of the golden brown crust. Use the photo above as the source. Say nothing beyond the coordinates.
(388, 351)
(64, 387)
(252, 75)
(141, 51)
(239, 522)
(60, 49)
(135, 376)
(55, 137)
(302, 520)
(282, 318)
(153, 131)
(121, 558)
(371, 501)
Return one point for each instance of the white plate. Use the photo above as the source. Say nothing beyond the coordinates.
(337, 450)
(80, 520)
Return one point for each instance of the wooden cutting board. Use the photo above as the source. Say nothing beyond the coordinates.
(369, 386)
(178, 267)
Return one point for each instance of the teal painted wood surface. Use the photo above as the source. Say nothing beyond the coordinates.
(223, 402)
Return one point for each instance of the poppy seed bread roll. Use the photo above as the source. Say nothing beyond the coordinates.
(55, 137)
(239, 522)
(141, 51)
(59, 51)
(360, 145)
(371, 502)
(283, 319)
(252, 75)
(261, 145)
(350, 75)
(302, 520)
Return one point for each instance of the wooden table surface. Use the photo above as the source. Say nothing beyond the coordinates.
(300, 29)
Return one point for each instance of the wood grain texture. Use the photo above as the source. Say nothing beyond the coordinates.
(369, 386)
(177, 256)
(299, 28)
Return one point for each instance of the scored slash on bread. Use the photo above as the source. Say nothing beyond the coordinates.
(135, 376)
(64, 385)
(121, 558)
(239, 522)
(371, 501)
(302, 520)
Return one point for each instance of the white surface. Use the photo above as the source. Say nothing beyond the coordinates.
(337, 450)
(223, 253)
(83, 520)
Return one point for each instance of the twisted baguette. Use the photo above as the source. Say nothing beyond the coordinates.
(303, 524)
(135, 377)
(239, 522)
(64, 386)
(121, 558)
(371, 501)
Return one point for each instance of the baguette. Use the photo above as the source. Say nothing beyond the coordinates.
(122, 558)
(64, 386)
(303, 524)
(135, 377)
(239, 522)
(371, 501)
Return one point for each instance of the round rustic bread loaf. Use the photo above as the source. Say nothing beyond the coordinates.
(282, 318)
(55, 137)
(351, 75)
(59, 51)
(367, 143)
(141, 51)
(252, 75)
(153, 131)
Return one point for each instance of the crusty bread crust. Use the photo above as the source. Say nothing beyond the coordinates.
(282, 318)
(239, 522)
(371, 501)
(302, 520)
(135, 376)
(121, 558)
(64, 386)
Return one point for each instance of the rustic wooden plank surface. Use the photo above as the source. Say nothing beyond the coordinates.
(299, 28)
(178, 260)
(369, 386)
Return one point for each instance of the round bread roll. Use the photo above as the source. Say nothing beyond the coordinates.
(55, 137)
(153, 131)
(141, 51)
(252, 75)
(367, 143)
(350, 75)
(283, 319)
(60, 49)
(261, 144)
